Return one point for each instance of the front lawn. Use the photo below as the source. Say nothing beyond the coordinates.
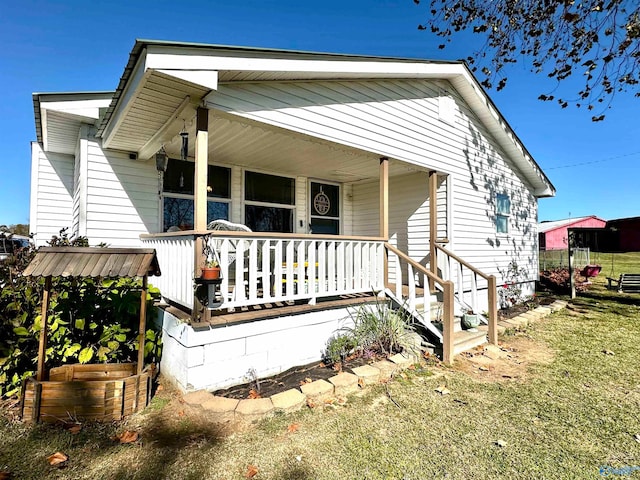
(563, 401)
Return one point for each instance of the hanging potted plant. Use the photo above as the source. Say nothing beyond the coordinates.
(470, 320)
(211, 268)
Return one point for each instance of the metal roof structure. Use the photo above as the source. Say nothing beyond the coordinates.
(93, 262)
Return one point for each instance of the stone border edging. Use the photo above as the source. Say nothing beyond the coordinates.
(320, 392)
(312, 394)
(525, 318)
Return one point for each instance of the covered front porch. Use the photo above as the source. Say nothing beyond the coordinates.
(329, 222)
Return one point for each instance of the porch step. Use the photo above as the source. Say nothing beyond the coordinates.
(466, 340)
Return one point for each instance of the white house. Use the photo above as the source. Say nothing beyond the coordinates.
(353, 173)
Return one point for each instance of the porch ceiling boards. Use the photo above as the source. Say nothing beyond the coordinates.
(156, 106)
(163, 105)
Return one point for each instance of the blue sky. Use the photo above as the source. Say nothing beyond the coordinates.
(57, 46)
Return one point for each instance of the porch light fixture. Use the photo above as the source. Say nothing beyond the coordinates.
(161, 160)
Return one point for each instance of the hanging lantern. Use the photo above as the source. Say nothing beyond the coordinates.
(161, 160)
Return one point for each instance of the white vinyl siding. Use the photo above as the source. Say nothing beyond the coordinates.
(51, 193)
(122, 198)
(400, 119)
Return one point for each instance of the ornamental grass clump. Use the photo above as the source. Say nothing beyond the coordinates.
(377, 330)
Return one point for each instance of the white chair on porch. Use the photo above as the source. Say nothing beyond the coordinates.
(221, 225)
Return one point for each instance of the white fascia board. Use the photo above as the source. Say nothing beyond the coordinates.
(205, 78)
(182, 61)
(43, 126)
(134, 85)
(89, 109)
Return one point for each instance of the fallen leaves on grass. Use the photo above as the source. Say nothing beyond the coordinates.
(74, 428)
(253, 394)
(293, 428)
(361, 382)
(443, 390)
(57, 459)
(127, 436)
(5, 475)
(251, 472)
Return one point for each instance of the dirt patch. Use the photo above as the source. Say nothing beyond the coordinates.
(508, 362)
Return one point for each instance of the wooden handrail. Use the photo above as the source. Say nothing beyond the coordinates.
(278, 235)
(414, 264)
(463, 262)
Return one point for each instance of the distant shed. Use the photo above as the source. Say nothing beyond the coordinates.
(553, 235)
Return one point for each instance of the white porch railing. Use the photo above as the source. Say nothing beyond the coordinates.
(259, 268)
(468, 282)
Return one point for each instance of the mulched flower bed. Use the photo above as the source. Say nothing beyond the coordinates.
(292, 378)
(298, 376)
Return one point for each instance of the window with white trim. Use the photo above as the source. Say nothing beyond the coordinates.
(177, 194)
(269, 202)
(503, 212)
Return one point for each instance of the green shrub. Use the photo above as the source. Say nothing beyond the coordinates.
(89, 320)
(338, 348)
(376, 330)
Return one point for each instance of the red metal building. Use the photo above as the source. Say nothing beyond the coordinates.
(553, 235)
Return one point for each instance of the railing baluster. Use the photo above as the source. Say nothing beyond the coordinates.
(331, 266)
(411, 284)
(289, 270)
(398, 277)
(266, 269)
(322, 266)
(253, 269)
(340, 259)
(357, 265)
(301, 279)
(348, 266)
(277, 267)
(312, 277)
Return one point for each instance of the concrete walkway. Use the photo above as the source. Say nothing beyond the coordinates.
(335, 389)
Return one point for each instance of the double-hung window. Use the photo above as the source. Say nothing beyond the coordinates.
(269, 202)
(177, 194)
(503, 212)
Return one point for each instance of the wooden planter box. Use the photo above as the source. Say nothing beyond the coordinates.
(102, 392)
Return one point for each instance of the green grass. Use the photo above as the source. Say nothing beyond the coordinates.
(569, 416)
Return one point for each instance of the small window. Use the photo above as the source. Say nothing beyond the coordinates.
(503, 211)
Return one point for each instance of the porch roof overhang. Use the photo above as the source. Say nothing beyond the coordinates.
(59, 117)
(164, 82)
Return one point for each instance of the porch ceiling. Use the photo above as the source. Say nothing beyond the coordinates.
(162, 106)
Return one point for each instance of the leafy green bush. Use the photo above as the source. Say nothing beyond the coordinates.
(338, 348)
(89, 320)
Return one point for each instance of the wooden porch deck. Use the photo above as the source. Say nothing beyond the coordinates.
(271, 310)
